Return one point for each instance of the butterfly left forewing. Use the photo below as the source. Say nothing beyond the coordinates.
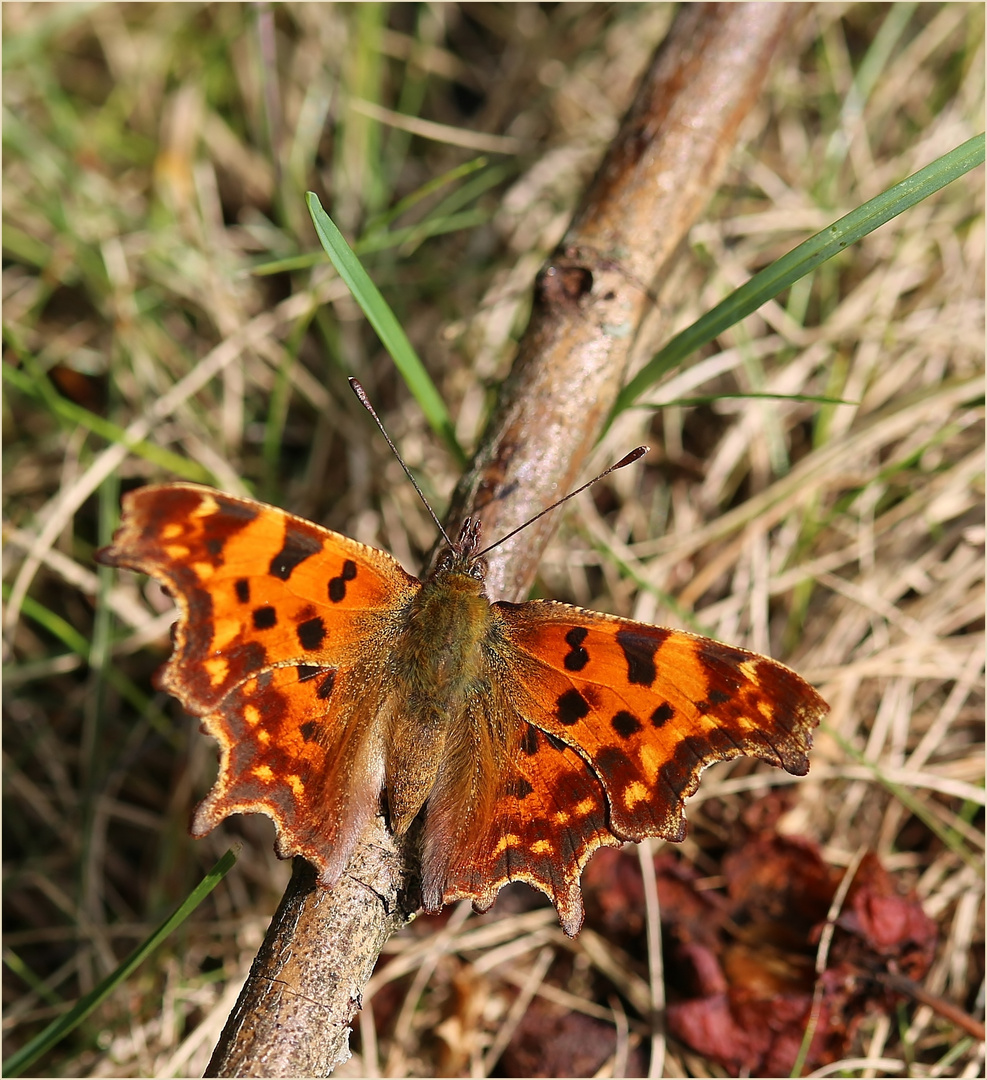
(648, 708)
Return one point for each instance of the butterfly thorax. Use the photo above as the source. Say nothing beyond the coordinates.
(440, 664)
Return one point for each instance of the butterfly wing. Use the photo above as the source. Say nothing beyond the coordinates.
(534, 814)
(279, 647)
(649, 708)
(617, 721)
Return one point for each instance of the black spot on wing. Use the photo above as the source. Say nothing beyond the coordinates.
(611, 761)
(215, 545)
(715, 699)
(297, 547)
(242, 588)
(325, 687)
(529, 741)
(311, 633)
(308, 671)
(265, 618)
(625, 724)
(309, 730)
(577, 657)
(519, 788)
(639, 652)
(571, 707)
(662, 714)
(337, 585)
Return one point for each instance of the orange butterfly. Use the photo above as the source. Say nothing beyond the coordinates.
(528, 734)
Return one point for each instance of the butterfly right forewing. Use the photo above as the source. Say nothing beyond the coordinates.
(648, 708)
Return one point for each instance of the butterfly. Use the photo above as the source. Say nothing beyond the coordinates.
(525, 735)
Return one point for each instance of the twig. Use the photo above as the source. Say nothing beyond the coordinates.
(901, 984)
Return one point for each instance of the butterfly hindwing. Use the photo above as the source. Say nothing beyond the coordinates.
(604, 726)
(542, 815)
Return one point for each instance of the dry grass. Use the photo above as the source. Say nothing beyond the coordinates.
(140, 189)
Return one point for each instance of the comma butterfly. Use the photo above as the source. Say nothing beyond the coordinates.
(528, 735)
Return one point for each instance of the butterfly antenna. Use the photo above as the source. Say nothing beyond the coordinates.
(628, 459)
(365, 402)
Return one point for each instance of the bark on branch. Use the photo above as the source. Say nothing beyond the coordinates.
(306, 982)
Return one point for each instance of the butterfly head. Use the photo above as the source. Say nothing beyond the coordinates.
(461, 556)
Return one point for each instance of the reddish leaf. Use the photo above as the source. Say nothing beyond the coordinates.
(893, 926)
(707, 1025)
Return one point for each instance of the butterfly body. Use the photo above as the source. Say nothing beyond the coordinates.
(526, 736)
(440, 665)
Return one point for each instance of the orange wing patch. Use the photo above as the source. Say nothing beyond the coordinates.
(301, 745)
(548, 818)
(254, 586)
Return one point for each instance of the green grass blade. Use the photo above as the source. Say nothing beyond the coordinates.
(448, 215)
(381, 222)
(415, 234)
(383, 320)
(58, 1029)
(21, 245)
(289, 263)
(54, 624)
(379, 237)
(802, 260)
(382, 240)
(710, 399)
(23, 972)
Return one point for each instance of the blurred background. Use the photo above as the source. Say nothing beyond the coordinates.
(169, 314)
